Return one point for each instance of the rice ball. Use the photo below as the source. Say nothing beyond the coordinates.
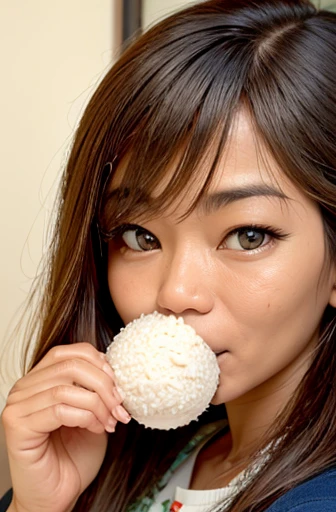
(166, 373)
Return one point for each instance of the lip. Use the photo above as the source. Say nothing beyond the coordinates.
(221, 352)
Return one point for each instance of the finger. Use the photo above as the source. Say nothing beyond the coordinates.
(68, 395)
(83, 350)
(68, 372)
(56, 416)
(43, 378)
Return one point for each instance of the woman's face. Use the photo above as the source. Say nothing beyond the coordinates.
(247, 269)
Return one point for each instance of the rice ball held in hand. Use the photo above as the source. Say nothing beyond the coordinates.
(165, 371)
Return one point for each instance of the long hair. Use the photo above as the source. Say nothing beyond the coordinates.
(175, 92)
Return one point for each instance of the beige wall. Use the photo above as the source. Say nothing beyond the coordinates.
(154, 10)
(52, 56)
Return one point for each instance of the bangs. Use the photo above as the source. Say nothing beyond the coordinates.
(185, 125)
(168, 106)
(142, 186)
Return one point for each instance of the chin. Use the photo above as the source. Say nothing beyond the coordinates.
(224, 396)
(217, 399)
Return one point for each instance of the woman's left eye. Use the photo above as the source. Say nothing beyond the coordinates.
(139, 239)
(249, 238)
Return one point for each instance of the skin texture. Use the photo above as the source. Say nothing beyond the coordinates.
(56, 421)
(263, 307)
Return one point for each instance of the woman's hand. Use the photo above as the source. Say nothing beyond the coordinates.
(56, 421)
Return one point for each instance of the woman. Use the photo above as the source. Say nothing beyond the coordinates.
(201, 183)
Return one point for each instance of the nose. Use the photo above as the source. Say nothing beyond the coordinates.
(185, 285)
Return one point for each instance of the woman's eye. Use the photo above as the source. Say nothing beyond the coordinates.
(139, 239)
(246, 239)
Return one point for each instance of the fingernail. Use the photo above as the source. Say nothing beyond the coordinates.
(122, 413)
(111, 423)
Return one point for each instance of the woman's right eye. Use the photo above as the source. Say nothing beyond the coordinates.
(139, 239)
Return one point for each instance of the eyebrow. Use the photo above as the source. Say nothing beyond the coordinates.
(209, 203)
(213, 202)
(118, 195)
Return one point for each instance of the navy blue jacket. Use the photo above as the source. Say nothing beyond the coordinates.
(315, 495)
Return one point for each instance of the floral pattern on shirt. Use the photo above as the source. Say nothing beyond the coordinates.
(145, 503)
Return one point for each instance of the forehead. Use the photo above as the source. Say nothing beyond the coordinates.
(244, 161)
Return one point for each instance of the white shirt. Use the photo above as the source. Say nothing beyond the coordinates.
(177, 489)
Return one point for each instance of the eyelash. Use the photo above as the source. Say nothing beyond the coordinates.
(273, 233)
(119, 231)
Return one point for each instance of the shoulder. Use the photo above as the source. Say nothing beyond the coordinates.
(315, 495)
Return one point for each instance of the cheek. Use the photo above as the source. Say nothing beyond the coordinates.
(287, 307)
(290, 286)
(130, 291)
(276, 316)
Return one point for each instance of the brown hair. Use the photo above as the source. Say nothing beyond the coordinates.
(179, 86)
